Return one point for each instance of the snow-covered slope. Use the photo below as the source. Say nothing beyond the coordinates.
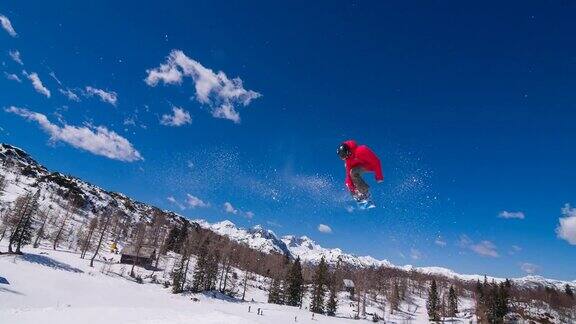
(24, 174)
(59, 191)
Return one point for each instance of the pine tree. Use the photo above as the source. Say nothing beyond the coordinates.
(294, 284)
(568, 291)
(170, 242)
(21, 218)
(25, 235)
(433, 303)
(480, 298)
(275, 291)
(211, 271)
(502, 302)
(178, 278)
(491, 303)
(452, 302)
(332, 303)
(181, 237)
(318, 287)
(199, 277)
(16, 219)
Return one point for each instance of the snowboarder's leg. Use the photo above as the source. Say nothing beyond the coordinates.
(362, 189)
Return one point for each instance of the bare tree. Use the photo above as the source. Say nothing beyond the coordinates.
(104, 222)
(156, 234)
(4, 222)
(87, 239)
(3, 183)
(44, 215)
(63, 222)
(247, 273)
(138, 243)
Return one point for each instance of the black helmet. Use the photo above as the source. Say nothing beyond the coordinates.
(343, 151)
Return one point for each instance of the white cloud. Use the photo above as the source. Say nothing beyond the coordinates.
(322, 228)
(226, 111)
(485, 248)
(15, 55)
(176, 202)
(179, 117)
(7, 25)
(415, 254)
(230, 209)
(37, 83)
(53, 75)
(273, 223)
(106, 96)
(514, 249)
(12, 76)
(464, 241)
(529, 268)
(511, 215)
(71, 95)
(440, 241)
(566, 230)
(97, 140)
(215, 89)
(195, 202)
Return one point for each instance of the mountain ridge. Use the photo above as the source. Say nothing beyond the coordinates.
(90, 198)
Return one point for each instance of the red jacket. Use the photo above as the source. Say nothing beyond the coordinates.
(364, 157)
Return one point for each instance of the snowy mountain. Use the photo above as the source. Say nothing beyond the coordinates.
(310, 251)
(23, 174)
(257, 237)
(59, 192)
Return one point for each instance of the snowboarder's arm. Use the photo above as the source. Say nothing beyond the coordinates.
(349, 182)
(378, 167)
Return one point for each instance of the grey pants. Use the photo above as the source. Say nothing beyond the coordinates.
(362, 188)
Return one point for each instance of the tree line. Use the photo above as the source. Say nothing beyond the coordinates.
(205, 261)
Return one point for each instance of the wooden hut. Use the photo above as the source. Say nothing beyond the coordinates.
(142, 257)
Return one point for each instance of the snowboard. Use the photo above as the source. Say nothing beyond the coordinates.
(365, 204)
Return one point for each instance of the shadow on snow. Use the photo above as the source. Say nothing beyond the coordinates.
(49, 262)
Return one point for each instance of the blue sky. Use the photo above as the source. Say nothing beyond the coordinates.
(228, 110)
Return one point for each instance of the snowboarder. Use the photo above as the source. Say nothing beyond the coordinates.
(358, 160)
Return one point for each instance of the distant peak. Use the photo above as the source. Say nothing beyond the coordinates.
(225, 223)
